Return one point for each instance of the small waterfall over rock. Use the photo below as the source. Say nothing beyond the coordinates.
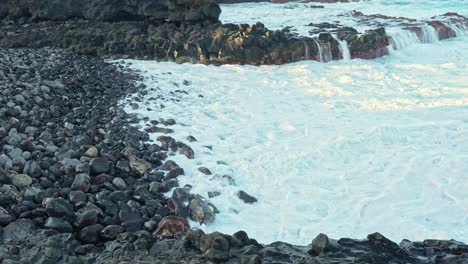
(319, 49)
(306, 50)
(324, 51)
(344, 49)
(428, 34)
(402, 38)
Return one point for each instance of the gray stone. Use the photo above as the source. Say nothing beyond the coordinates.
(15, 153)
(5, 162)
(119, 183)
(92, 152)
(82, 182)
(77, 197)
(20, 99)
(21, 180)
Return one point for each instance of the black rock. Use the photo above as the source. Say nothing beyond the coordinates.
(87, 218)
(59, 207)
(111, 232)
(81, 182)
(5, 219)
(90, 234)
(58, 224)
(174, 173)
(99, 165)
(246, 197)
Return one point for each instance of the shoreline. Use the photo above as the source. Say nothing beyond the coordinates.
(84, 181)
(89, 243)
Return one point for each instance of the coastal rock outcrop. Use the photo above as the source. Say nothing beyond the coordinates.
(111, 10)
(207, 43)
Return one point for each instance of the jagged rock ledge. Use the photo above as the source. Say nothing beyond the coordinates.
(176, 30)
(207, 43)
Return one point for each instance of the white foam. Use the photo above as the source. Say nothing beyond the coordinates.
(346, 148)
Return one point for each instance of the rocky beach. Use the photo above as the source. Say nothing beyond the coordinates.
(82, 180)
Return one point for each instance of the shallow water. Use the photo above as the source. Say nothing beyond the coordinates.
(345, 148)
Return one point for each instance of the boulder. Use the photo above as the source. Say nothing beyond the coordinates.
(200, 210)
(170, 226)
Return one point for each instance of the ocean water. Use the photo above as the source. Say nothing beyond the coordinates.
(345, 148)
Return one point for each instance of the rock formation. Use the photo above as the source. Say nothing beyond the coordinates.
(111, 10)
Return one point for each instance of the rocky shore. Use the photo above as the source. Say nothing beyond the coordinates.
(80, 182)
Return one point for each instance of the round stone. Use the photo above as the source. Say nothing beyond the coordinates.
(21, 180)
(119, 183)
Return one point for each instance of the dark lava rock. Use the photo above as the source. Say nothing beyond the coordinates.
(204, 170)
(201, 211)
(99, 165)
(111, 232)
(5, 219)
(174, 173)
(215, 246)
(90, 234)
(58, 207)
(246, 197)
(87, 218)
(58, 224)
(81, 182)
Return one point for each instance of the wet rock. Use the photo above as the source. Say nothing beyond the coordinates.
(246, 197)
(215, 247)
(321, 245)
(443, 31)
(170, 226)
(204, 170)
(200, 211)
(371, 44)
(174, 173)
(139, 166)
(187, 151)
